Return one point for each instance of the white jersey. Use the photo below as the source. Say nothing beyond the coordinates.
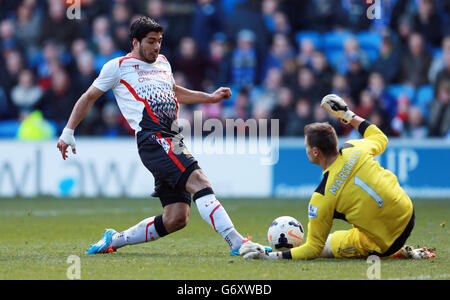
(143, 91)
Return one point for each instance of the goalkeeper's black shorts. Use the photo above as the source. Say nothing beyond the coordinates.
(171, 164)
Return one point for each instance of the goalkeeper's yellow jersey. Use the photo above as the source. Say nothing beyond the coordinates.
(357, 189)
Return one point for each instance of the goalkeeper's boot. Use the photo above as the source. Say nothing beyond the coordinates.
(104, 244)
(235, 252)
(411, 253)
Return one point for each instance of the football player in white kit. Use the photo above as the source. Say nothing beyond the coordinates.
(148, 98)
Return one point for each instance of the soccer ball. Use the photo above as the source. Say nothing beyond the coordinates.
(285, 233)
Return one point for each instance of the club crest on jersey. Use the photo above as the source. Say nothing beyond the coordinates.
(312, 211)
(136, 67)
(163, 142)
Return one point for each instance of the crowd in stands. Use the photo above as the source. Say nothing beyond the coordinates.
(280, 57)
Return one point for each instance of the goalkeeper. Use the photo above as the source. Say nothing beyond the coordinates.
(354, 188)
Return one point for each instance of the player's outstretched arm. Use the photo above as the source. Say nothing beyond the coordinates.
(187, 96)
(337, 107)
(79, 111)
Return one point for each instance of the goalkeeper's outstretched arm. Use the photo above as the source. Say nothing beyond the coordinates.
(337, 107)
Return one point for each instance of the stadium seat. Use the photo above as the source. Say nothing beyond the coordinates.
(9, 128)
(334, 40)
(424, 95)
(314, 36)
(373, 54)
(333, 57)
(396, 90)
(369, 40)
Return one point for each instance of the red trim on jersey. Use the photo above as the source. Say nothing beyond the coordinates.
(146, 230)
(128, 56)
(170, 153)
(162, 56)
(136, 96)
(211, 215)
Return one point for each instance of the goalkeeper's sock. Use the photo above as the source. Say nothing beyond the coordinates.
(145, 231)
(213, 212)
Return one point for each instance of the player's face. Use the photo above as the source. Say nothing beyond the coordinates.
(149, 46)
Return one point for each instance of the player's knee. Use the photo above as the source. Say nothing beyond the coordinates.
(197, 181)
(176, 222)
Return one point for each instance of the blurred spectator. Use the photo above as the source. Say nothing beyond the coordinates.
(377, 88)
(244, 60)
(28, 27)
(175, 28)
(401, 116)
(86, 73)
(439, 118)
(306, 85)
(121, 15)
(191, 62)
(323, 15)
(415, 63)
(9, 75)
(378, 118)
(353, 15)
(415, 127)
(428, 23)
(404, 30)
(111, 126)
(107, 50)
(26, 94)
(8, 36)
(388, 61)
(438, 61)
(339, 85)
(366, 104)
(282, 25)
(268, 10)
(248, 16)
(444, 74)
(206, 20)
(101, 29)
(266, 94)
(219, 60)
(57, 26)
(298, 118)
(305, 55)
(357, 77)
(242, 106)
(283, 109)
(7, 111)
(322, 72)
(49, 58)
(57, 103)
(352, 52)
(280, 51)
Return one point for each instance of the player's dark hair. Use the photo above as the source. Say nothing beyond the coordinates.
(142, 26)
(322, 136)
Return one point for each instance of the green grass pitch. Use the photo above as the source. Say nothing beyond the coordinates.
(38, 235)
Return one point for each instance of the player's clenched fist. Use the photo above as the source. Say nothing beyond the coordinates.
(221, 93)
(336, 106)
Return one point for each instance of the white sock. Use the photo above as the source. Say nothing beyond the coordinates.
(213, 212)
(142, 232)
(326, 252)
